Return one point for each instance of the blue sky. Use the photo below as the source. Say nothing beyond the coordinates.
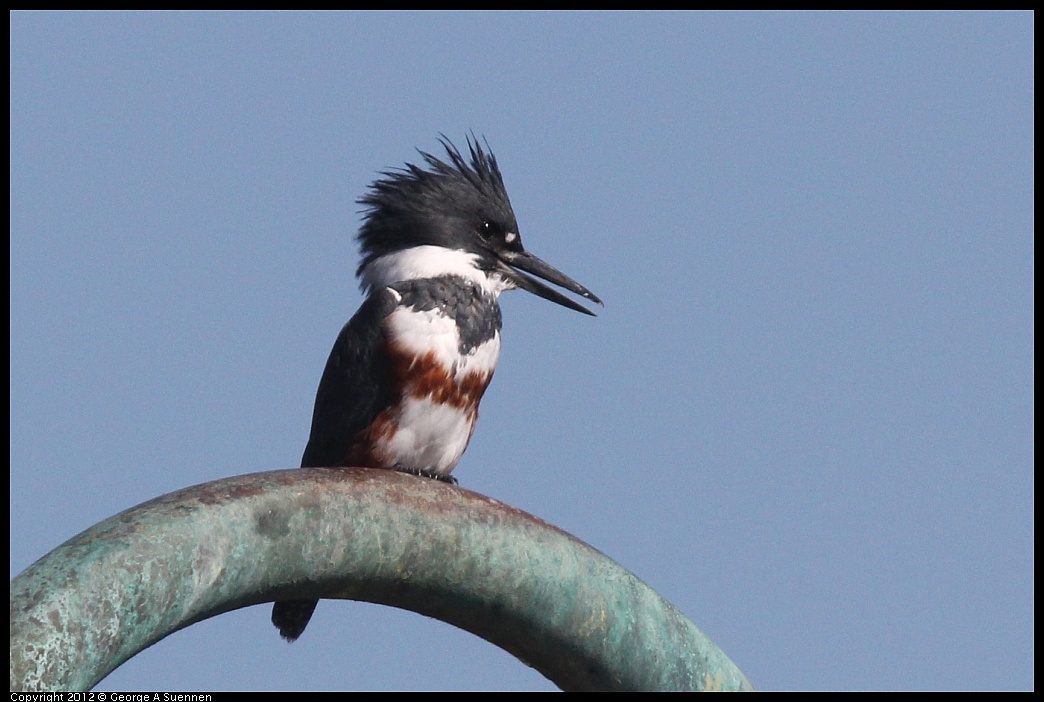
(805, 415)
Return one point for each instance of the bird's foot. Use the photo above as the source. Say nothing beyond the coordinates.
(425, 473)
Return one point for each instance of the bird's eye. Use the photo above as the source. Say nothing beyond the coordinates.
(490, 230)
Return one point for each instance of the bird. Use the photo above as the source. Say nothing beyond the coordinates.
(439, 243)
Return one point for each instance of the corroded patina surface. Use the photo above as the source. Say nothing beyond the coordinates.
(373, 535)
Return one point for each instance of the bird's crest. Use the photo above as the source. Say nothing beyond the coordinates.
(416, 206)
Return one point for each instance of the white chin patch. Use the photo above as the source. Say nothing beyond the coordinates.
(430, 262)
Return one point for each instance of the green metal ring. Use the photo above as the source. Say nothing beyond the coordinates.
(378, 536)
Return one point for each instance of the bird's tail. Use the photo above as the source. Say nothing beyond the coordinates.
(291, 618)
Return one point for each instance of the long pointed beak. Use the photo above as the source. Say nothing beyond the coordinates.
(512, 263)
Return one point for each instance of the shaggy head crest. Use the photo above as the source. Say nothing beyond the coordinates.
(414, 206)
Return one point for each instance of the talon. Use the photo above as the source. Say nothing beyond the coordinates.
(425, 473)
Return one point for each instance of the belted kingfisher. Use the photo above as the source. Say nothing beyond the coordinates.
(402, 385)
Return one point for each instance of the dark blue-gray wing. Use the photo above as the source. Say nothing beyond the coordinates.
(354, 387)
(352, 392)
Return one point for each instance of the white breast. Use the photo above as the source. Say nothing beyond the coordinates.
(436, 418)
(430, 331)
